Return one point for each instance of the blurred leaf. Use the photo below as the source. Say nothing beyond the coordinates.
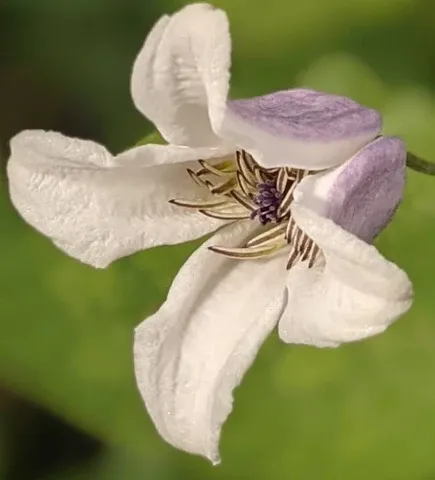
(347, 75)
(276, 24)
(3, 449)
(116, 464)
(411, 115)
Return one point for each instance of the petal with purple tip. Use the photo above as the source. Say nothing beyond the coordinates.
(352, 292)
(362, 194)
(369, 188)
(300, 128)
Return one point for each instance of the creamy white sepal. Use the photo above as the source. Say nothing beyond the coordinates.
(180, 78)
(98, 207)
(355, 293)
(192, 353)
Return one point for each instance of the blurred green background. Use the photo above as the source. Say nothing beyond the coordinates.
(68, 403)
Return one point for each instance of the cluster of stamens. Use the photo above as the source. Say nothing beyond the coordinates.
(267, 200)
(242, 189)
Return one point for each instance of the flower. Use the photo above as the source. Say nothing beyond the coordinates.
(296, 185)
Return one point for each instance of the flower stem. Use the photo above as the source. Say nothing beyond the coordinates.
(420, 165)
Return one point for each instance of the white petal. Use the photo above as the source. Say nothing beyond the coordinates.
(355, 294)
(180, 78)
(194, 351)
(97, 207)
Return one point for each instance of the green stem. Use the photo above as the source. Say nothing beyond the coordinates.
(420, 165)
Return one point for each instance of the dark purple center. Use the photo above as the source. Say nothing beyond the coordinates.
(268, 201)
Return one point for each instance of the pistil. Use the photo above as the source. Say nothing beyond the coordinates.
(268, 202)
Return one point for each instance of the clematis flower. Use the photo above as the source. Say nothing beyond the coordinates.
(296, 186)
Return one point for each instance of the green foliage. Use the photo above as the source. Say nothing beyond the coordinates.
(363, 411)
(153, 137)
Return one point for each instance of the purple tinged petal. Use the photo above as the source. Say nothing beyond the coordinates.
(307, 114)
(299, 128)
(369, 188)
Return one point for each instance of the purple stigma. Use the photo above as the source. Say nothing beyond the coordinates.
(268, 201)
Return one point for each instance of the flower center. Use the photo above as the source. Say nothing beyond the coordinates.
(267, 200)
(242, 189)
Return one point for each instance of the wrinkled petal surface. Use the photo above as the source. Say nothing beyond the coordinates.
(355, 294)
(194, 351)
(300, 128)
(180, 78)
(97, 207)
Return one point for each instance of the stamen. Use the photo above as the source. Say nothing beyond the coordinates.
(282, 180)
(244, 185)
(242, 200)
(198, 204)
(225, 215)
(313, 255)
(302, 248)
(242, 253)
(245, 190)
(260, 175)
(194, 176)
(290, 230)
(245, 167)
(224, 187)
(268, 236)
(287, 198)
(221, 169)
